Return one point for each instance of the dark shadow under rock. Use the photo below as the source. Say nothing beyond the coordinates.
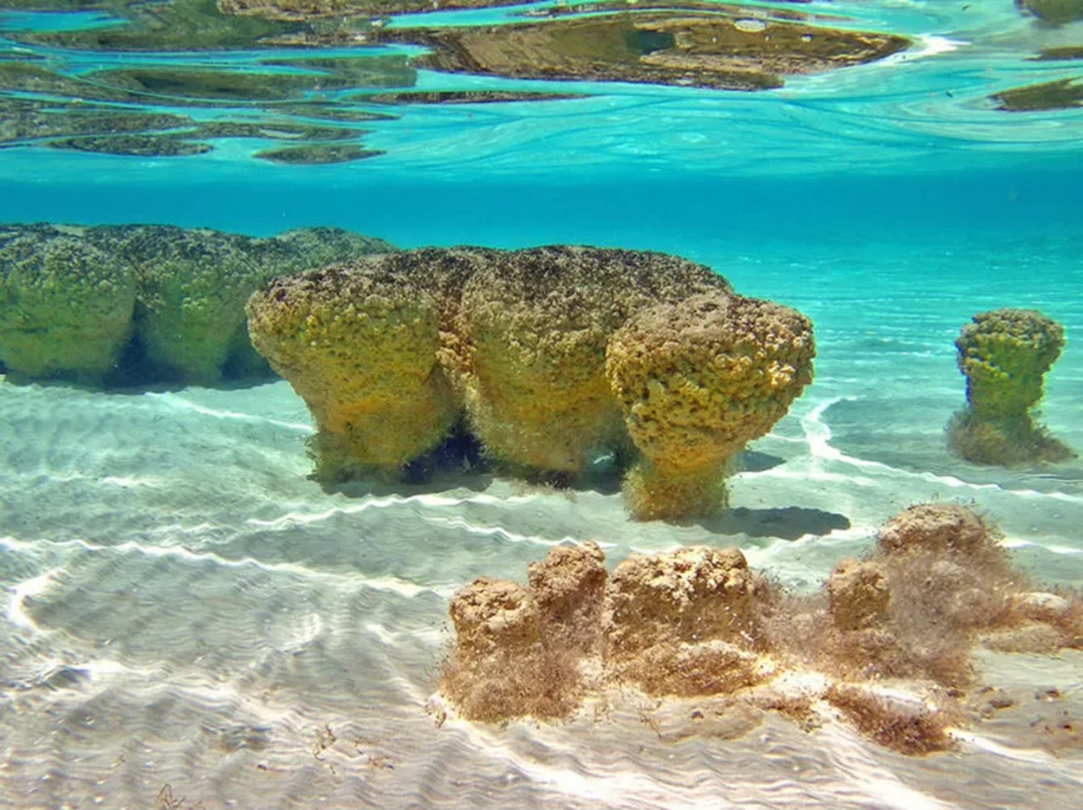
(788, 523)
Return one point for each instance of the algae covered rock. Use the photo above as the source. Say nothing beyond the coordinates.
(193, 285)
(65, 304)
(887, 643)
(504, 665)
(938, 529)
(533, 331)
(358, 342)
(684, 623)
(697, 380)
(1004, 355)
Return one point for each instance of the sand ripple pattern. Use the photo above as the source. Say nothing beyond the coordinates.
(181, 606)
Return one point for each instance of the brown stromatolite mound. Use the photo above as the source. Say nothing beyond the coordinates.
(504, 665)
(569, 589)
(936, 528)
(697, 380)
(491, 614)
(534, 326)
(684, 623)
(859, 595)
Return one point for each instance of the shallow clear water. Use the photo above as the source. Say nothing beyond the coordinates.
(183, 607)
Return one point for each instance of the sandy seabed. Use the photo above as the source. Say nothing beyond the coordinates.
(188, 617)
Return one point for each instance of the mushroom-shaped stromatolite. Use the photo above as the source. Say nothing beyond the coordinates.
(358, 342)
(532, 341)
(65, 305)
(697, 381)
(194, 283)
(1005, 355)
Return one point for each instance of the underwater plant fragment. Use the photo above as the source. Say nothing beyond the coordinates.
(1004, 355)
(660, 47)
(886, 644)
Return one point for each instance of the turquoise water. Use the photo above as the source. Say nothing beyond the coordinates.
(186, 614)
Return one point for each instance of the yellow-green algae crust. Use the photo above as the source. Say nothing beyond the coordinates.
(65, 305)
(1005, 354)
(358, 342)
(697, 380)
(533, 332)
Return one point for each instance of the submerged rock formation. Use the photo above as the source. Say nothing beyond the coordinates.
(1005, 355)
(532, 341)
(65, 303)
(548, 354)
(360, 347)
(697, 380)
(886, 643)
(143, 303)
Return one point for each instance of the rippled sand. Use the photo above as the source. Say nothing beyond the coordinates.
(186, 614)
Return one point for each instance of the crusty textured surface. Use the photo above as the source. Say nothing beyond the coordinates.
(698, 380)
(859, 595)
(690, 595)
(65, 305)
(1004, 355)
(938, 528)
(569, 586)
(358, 342)
(534, 327)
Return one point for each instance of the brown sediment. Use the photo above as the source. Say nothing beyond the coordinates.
(886, 644)
(688, 49)
(1004, 355)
